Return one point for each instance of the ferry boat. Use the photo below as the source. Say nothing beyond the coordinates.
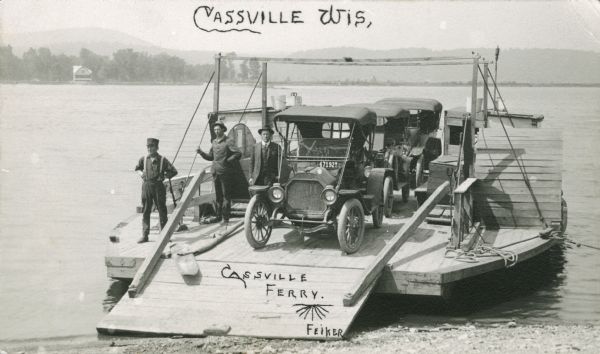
(419, 198)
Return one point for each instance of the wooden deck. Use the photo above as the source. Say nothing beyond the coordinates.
(294, 287)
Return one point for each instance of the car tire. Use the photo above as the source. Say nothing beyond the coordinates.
(388, 196)
(377, 216)
(351, 226)
(257, 223)
(405, 193)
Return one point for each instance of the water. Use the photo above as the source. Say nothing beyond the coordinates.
(66, 158)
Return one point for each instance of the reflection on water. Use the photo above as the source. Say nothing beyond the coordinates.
(116, 290)
(529, 289)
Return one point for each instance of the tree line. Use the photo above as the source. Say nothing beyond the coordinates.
(125, 65)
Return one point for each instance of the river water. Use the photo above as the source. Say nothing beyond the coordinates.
(66, 158)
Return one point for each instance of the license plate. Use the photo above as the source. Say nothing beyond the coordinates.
(329, 164)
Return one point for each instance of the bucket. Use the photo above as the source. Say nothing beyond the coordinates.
(294, 99)
(278, 102)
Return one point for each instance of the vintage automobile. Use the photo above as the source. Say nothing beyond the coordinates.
(410, 137)
(327, 177)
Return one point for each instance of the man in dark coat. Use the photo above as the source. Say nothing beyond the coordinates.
(153, 169)
(223, 153)
(264, 162)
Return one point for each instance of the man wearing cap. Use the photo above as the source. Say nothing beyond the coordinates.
(153, 169)
(223, 154)
(264, 161)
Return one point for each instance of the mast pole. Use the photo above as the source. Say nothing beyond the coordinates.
(485, 94)
(469, 150)
(264, 94)
(217, 84)
(496, 73)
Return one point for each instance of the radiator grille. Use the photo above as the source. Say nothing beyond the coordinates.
(305, 195)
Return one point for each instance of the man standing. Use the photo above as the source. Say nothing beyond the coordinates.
(153, 169)
(223, 154)
(264, 163)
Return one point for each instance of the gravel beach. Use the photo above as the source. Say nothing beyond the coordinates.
(468, 338)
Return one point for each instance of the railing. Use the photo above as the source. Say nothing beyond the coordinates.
(462, 218)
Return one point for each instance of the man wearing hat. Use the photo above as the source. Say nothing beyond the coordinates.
(223, 153)
(264, 161)
(153, 169)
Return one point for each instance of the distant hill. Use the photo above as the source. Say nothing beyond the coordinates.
(98, 40)
(539, 66)
(536, 66)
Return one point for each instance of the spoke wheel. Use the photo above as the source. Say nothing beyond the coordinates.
(388, 196)
(257, 223)
(351, 226)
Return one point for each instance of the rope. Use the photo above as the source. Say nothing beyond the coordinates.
(193, 116)
(206, 126)
(499, 95)
(521, 168)
(250, 98)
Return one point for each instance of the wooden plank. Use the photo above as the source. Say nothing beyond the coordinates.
(370, 274)
(465, 185)
(549, 168)
(483, 161)
(518, 198)
(507, 212)
(518, 176)
(547, 206)
(499, 184)
(493, 222)
(143, 274)
(524, 190)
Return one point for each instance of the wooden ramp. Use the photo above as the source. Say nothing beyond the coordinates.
(282, 291)
(502, 198)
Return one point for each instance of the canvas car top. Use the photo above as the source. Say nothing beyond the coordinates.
(345, 114)
(384, 109)
(428, 104)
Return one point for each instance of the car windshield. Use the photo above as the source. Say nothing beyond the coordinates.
(322, 144)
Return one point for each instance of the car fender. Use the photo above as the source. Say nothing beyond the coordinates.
(256, 189)
(375, 184)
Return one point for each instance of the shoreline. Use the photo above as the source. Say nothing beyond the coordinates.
(303, 83)
(469, 337)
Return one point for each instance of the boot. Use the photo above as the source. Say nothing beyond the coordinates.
(143, 239)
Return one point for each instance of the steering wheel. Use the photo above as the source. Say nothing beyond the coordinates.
(305, 146)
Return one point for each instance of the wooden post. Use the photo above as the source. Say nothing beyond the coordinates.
(446, 135)
(264, 94)
(146, 269)
(217, 84)
(469, 154)
(462, 201)
(371, 273)
(485, 94)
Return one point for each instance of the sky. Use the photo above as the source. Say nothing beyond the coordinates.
(393, 24)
